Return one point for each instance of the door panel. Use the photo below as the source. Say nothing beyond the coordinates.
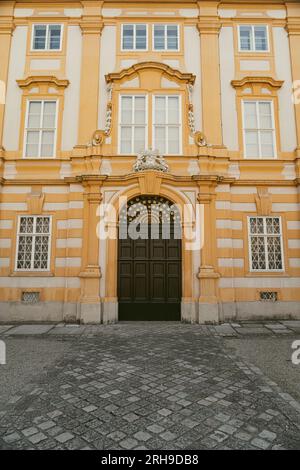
(149, 275)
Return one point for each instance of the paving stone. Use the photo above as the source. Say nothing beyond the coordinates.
(260, 443)
(129, 443)
(64, 437)
(253, 331)
(36, 438)
(29, 330)
(142, 436)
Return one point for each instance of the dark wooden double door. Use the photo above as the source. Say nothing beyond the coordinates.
(149, 277)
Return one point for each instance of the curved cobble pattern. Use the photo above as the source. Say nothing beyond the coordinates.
(150, 386)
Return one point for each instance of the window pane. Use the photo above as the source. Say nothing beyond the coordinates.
(126, 109)
(139, 139)
(159, 37)
(160, 110)
(251, 141)
(273, 225)
(265, 115)
(274, 253)
(250, 115)
(140, 110)
(160, 139)
(24, 252)
(49, 114)
(256, 225)
(173, 110)
(47, 144)
(126, 133)
(172, 37)
(40, 260)
(141, 36)
(246, 38)
(39, 40)
(128, 36)
(260, 33)
(258, 254)
(26, 225)
(267, 145)
(173, 140)
(42, 225)
(34, 114)
(32, 144)
(54, 36)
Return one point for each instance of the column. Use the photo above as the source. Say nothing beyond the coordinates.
(6, 31)
(293, 29)
(209, 28)
(91, 27)
(90, 275)
(208, 276)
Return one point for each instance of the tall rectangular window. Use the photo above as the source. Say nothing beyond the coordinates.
(167, 124)
(132, 124)
(166, 37)
(40, 129)
(253, 38)
(47, 37)
(259, 129)
(134, 37)
(33, 243)
(265, 244)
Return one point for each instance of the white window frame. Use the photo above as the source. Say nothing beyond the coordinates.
(259, 130)
(252, 26)
(167, 125)
(40, 129)
(265, 235)
(134, 37)
(32, 269)
(47, 48)
(146, 96)
(165, 37)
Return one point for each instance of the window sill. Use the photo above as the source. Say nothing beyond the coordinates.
(32, 274)
(267, 274)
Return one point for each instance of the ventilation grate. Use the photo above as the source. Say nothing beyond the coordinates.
(267, 296)
(30, 297)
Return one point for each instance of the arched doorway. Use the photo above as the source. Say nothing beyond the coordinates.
(149, 260)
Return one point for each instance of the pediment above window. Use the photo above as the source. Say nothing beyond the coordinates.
(151, 75)
(43, 84)
(257, 85)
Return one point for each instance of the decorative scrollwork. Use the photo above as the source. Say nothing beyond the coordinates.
(99, 135)
(150, 160)
(199, 137)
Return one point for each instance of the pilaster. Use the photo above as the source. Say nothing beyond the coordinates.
(91, 27)
(6, 30)
(90, 274)
(293, 29)
(209, 28)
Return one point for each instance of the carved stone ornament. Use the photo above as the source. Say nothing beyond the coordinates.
(199, 137)
(150, 160)
(99, 135)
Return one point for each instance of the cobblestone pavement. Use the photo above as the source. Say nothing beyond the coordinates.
(150, 386)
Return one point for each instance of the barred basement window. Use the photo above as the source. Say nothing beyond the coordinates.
(33, 243)
(30, 297)
(265, 240)
(268, 296)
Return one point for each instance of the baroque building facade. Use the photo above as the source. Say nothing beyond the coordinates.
(204, 93)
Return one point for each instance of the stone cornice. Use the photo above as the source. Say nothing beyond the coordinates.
(209, 25)
(293, 26)
(42, 79)
(164, 68)
(250, 80)
(91, 24)
(7, 25)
